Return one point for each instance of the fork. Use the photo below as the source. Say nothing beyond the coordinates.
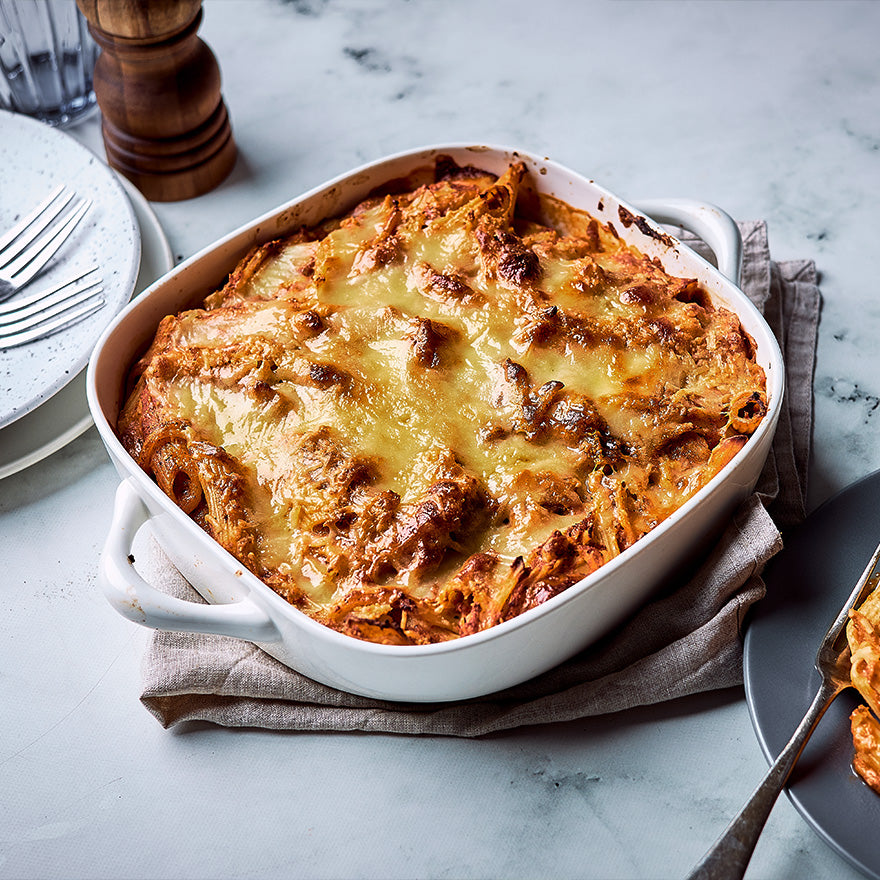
(41, 314)
(32, 242)
(729, 857)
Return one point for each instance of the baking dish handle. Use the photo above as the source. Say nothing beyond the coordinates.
(715, 227)
(142, 603)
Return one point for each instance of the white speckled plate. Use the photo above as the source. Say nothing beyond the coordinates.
(65, 415)
(34, 159)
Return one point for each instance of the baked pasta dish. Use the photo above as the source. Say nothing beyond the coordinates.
(863, 635)
(442, 409)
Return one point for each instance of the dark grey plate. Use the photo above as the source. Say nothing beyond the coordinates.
(806, 585)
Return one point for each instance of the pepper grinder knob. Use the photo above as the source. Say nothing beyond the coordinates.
(164, 123)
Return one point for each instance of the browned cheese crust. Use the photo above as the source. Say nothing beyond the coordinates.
(443, 408)
(866, 740)
(863, 635)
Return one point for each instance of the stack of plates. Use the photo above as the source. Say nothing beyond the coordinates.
(42, 385)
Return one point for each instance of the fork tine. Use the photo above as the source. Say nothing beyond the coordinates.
(25, 266)
(53, 305)
(47, 329)
(23, 302)
(15, 240)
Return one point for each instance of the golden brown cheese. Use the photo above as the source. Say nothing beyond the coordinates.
(863, 636)
(440, 410)
(866, 742)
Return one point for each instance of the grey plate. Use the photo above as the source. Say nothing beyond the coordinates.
(806, 585)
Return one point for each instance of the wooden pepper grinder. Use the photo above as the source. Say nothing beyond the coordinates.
(165, 125)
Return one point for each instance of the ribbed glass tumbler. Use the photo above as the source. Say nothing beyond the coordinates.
(47, 57)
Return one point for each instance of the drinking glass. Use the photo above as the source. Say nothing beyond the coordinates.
(47, 57)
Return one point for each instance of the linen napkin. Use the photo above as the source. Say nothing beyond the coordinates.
(686, 640)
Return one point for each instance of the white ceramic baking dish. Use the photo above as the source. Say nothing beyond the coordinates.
(240, 605)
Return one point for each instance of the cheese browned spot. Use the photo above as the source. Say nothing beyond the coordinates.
(443, 408)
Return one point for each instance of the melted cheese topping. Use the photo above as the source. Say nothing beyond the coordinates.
(433, 413)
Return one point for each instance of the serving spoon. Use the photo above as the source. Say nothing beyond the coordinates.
(731, 853)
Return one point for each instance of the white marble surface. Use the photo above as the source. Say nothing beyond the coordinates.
(771, 110)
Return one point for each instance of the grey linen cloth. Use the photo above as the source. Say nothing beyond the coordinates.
(686, 640)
